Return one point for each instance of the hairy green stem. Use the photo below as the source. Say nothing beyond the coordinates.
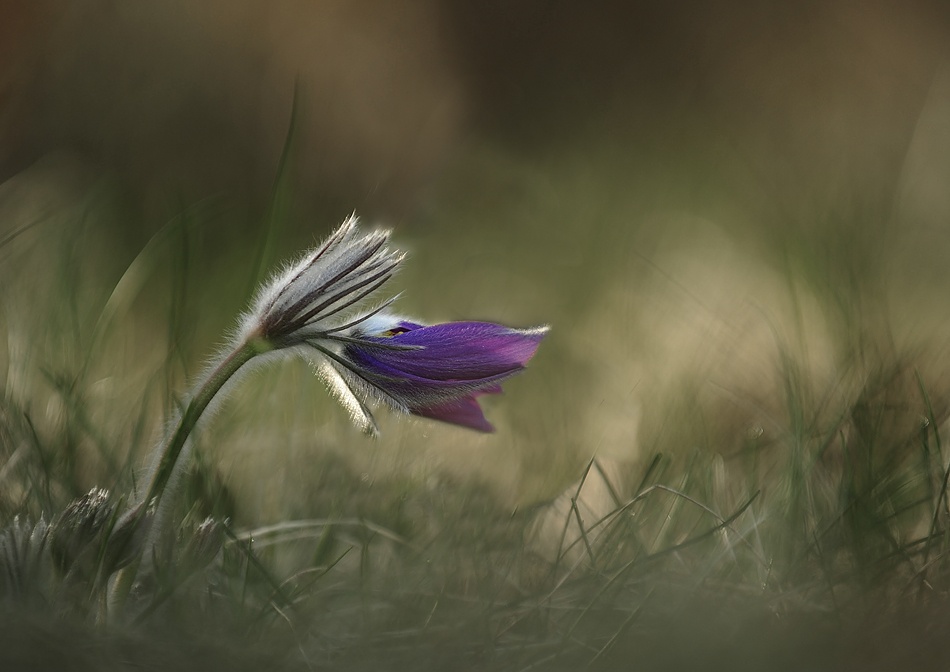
(170, 450)
(197, 405)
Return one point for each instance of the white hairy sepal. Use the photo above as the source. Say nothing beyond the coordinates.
(311, 295)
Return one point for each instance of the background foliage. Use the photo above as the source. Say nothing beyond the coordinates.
(730, 450)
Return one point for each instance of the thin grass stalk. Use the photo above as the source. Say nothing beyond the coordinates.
(942, 493)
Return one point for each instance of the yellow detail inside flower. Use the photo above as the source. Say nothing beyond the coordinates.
(389, 333)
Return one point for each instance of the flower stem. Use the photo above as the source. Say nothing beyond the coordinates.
(170, 450)
(197, 404)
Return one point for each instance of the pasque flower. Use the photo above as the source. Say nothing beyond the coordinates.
(316, 307)
(433, 371)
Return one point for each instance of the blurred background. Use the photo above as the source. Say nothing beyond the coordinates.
(735, 217)
(701, 199)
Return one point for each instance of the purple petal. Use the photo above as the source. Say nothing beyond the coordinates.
(470, 352)
(439, 371)
(464, 412)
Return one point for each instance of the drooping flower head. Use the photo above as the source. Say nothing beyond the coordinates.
(435, 371)
(316, 307)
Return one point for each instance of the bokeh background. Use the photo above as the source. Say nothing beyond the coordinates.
(733, 216)
(686, 193)
(679, 191)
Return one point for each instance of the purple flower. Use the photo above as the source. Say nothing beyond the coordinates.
(436, 371)
(439, 371)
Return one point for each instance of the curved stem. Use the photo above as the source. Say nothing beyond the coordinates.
(197, 404)
(171, 450)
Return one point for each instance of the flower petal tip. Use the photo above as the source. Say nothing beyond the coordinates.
(534, 337)
(464, 412)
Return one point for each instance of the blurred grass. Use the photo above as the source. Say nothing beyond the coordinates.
(770, 463)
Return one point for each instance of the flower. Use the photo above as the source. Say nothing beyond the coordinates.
(314, 308)
(435, 371)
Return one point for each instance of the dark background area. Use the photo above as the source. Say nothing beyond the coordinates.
(195, 98)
